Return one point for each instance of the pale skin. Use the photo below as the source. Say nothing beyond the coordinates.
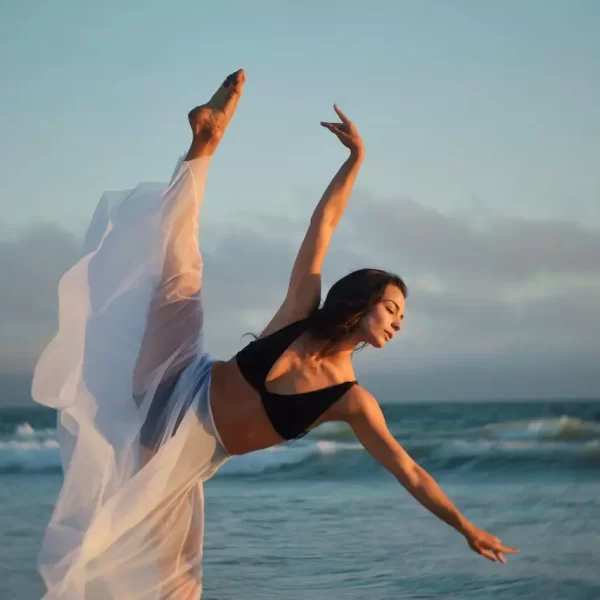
(238, 412)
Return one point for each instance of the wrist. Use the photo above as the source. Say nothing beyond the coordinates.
(357, 154)
(465, 527)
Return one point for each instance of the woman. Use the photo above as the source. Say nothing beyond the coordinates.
(146, 416)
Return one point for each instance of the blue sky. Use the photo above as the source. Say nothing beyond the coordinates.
(474, 112)
(462, 104)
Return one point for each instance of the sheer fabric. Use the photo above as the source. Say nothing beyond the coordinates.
(128, 374)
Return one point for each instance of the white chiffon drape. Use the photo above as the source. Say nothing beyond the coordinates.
(128, 521)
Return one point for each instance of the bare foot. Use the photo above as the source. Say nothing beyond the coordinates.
(209, 121)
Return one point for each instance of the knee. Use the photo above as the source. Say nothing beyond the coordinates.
(184, 285)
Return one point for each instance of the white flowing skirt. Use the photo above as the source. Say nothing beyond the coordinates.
(128, 374)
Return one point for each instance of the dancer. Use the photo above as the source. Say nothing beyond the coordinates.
(146, 415)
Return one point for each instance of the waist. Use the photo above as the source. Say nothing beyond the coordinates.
(188, 391)
(238, 411)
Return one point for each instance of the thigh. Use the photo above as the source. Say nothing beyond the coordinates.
(173, 335)
(175, 315)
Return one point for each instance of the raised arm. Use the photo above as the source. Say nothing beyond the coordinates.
(368, 423)
(304, 290)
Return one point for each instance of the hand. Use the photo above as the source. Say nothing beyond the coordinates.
(346, 132)
(487, 545)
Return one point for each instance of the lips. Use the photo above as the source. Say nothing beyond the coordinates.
(388, 336)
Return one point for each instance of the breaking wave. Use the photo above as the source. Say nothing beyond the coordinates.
(332, 450)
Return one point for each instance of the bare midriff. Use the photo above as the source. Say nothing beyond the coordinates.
(238, 412)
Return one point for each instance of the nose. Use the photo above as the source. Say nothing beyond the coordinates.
(397, 325)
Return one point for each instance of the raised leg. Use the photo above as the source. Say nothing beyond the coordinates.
(209, 121)
(175, 317)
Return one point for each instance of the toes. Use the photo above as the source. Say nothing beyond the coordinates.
(215, 114)
(235, 79)
(240, 75)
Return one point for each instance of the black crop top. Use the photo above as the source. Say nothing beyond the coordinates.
(290, 414)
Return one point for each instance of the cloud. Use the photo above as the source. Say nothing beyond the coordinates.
(503, 250)
(507, 295)
(502, 296)
(30, 265)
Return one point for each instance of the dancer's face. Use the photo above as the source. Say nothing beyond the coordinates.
(384, 319)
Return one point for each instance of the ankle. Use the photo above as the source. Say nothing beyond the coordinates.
(202, 146)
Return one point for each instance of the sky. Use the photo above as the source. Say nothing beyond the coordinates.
(480, 187)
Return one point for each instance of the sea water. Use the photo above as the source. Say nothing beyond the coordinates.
(319, 519)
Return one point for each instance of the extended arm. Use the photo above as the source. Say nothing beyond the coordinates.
(368, 422)
(304, 289)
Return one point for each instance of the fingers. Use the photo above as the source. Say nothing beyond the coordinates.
(492, 554)
(337, 128)
(487, 554)
(347, 134)
(341, 115)
(498, 546)
(493, 549)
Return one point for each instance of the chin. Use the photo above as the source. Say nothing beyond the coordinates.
(376, 342)
(372, 339)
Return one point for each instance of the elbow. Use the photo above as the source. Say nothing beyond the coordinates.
(325, 220)
(410, 476)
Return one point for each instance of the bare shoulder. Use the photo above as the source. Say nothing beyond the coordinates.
(367, 420)
(356, 403)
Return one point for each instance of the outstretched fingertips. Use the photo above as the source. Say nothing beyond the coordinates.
(487, 554)
(331, 126)
(341, 114)
(335, 127)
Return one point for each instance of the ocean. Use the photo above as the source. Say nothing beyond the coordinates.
(318, 519)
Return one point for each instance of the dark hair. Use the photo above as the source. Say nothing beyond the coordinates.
(347, 302)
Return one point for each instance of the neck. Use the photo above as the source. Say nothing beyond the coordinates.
(322, 349)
